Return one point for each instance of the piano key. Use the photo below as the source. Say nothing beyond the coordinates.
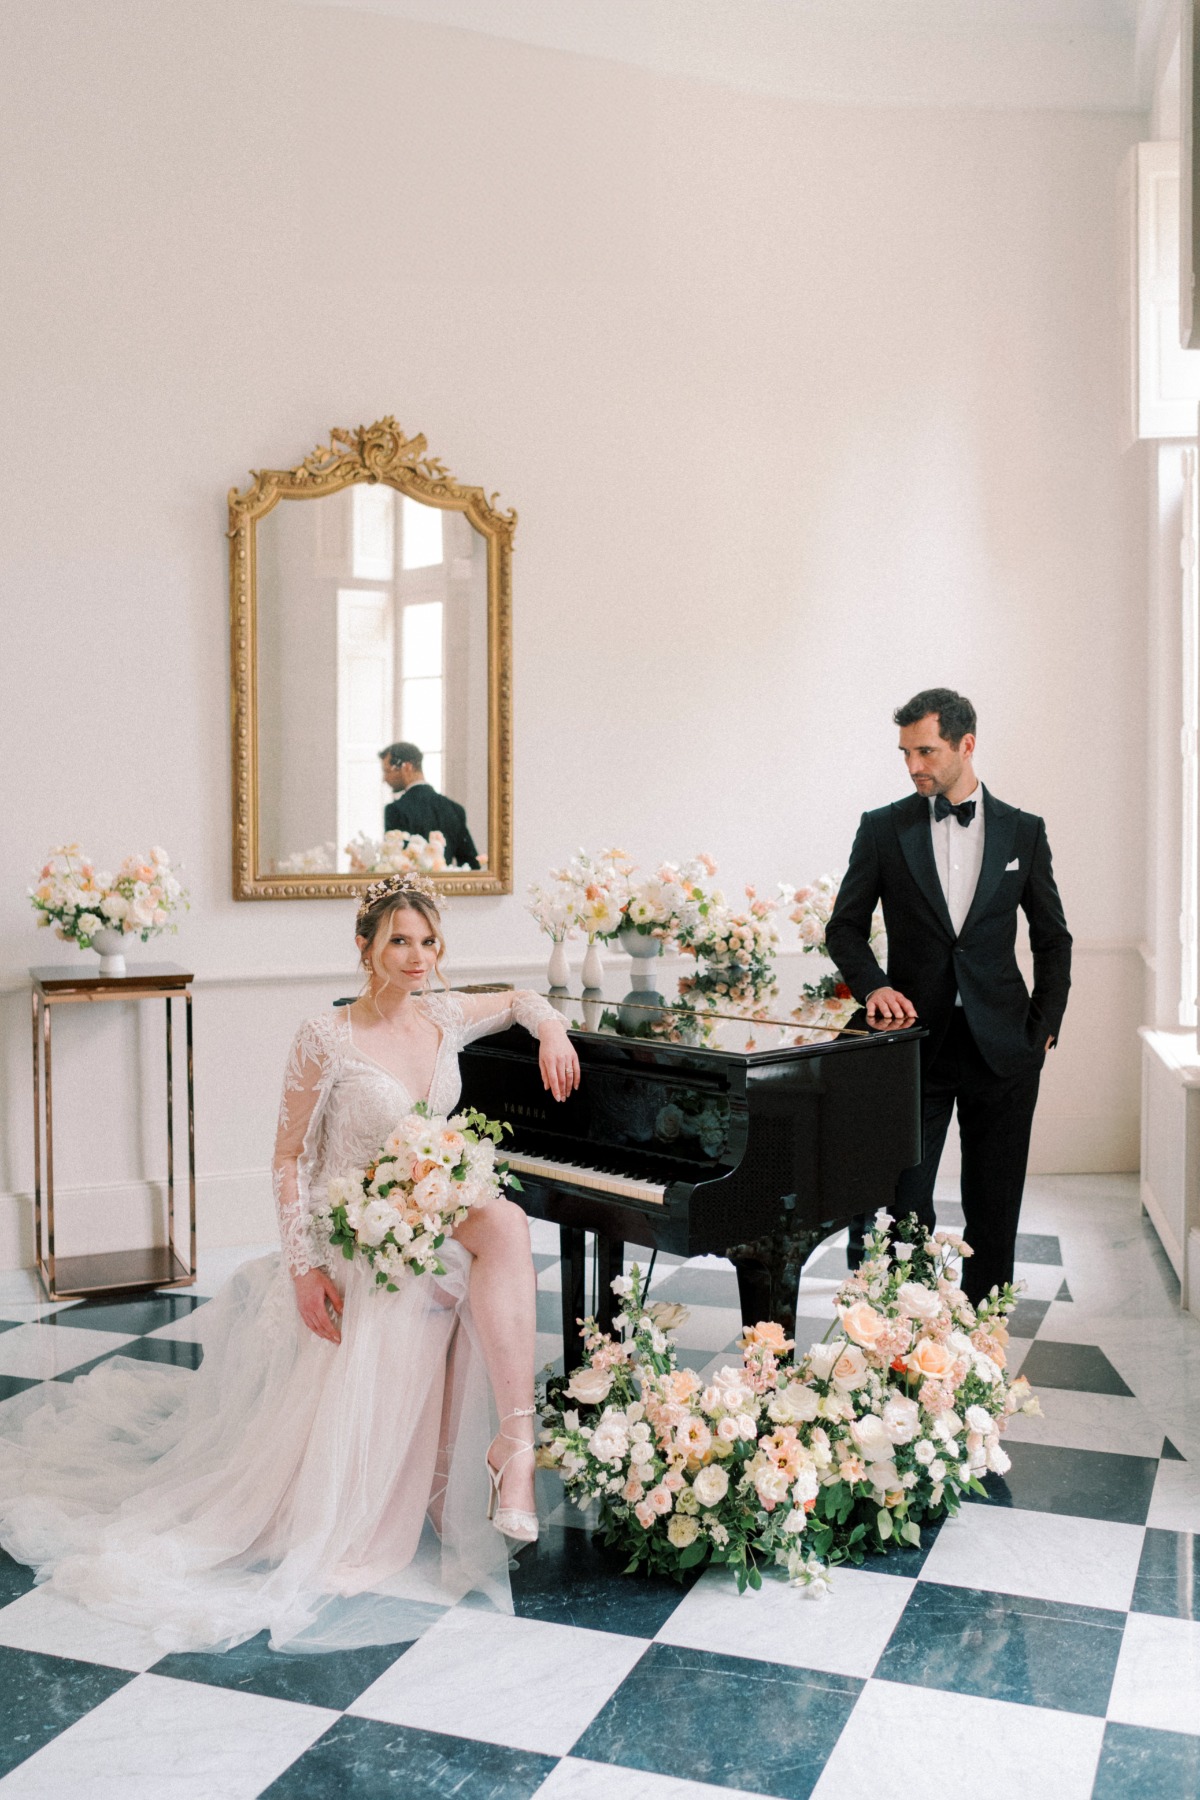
(601, 1181)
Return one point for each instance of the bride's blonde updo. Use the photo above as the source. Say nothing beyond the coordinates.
(396, 893)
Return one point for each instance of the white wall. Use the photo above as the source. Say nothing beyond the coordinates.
(803, 407)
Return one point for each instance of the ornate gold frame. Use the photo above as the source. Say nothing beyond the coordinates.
(378, 452)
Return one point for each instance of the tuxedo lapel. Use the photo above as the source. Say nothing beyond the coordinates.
(916, 841)
(1000, 830)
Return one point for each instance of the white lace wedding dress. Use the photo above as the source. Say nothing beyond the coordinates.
(289, 1484)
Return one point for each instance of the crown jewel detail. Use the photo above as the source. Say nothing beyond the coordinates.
(397, 885)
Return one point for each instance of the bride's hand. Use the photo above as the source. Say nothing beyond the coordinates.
(312, 1291)
(558, 1061)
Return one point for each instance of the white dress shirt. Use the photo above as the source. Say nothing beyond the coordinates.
(958, 853)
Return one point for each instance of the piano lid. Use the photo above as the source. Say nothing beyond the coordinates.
(676, 1002)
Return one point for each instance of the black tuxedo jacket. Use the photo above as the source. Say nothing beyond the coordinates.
(420, 809)
(892, 861)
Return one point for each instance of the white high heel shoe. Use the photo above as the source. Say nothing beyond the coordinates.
(511, 1520)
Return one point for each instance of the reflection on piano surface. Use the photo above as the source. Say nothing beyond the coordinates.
(698, 1130)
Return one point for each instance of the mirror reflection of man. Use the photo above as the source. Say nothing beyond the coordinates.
(952, 865)
(418, 807)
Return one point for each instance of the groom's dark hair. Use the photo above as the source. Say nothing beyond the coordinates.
(955, 714)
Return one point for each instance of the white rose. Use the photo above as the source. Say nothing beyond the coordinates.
(822, 1357)
(610, 1440)
(589, 1386)
(805, 1485)
(641, 1453)
(959, 1343)
(711, 1485)
(87, 925)
(947, 1426)
(795, 1404)
(872, 1439)
(925, 1452)
(378, 1218)
(795, 1521)
(998, 1460)
(918, 1302)
(771, 1485)
(979, 1419)
(901, 1419)
(683, 1531)
(937, 1469)
(114, 906)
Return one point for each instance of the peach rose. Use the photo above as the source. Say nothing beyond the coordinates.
(589, 1386)
(633, 1490)
(766, 1335)
(644, 1514)
(862, 1323)
(931, 1359)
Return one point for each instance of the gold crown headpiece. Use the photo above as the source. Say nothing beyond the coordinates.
(397, 886)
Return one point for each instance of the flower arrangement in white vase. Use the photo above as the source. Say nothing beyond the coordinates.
(102, 911)
(586, 895)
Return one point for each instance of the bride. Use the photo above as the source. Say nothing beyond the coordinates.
(329, 1473)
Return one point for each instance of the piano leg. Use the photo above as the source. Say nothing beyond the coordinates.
(610, 1262)
(768, 1273)
(574, 1302)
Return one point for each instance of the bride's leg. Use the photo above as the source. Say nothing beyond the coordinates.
(504, 1308)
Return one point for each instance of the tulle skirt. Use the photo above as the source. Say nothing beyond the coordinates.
(334, 1495)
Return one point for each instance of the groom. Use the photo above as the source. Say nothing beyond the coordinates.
(951, 865)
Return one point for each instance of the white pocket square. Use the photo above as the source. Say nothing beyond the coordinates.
(1014, 864)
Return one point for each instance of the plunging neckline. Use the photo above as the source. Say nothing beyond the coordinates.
(366, 1056)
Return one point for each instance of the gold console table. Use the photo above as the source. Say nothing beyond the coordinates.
(70, 1277)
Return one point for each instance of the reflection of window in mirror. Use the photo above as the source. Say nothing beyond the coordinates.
(422, 709)
(422, 535)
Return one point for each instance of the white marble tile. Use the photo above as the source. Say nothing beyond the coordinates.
(547, 1350)
(1038, 1281)
(40, 1352)
(41, 1620)
(843, 1632)
(488, 1676)
(912, 1740)
(543, 1237)
(1041, 1556)
(1079, 1421)
(575, 1779)
(159, 1737)
(191, 1327)
(709, 1327)
(1175, 1503)
(1158, 1674)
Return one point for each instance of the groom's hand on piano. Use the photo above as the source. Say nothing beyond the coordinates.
(557, 1060)
(886, 1003)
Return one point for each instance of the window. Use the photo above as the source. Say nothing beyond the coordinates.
(422, 711)
(422, 528)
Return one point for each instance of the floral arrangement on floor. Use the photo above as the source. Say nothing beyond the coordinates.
(139, 900)
(398, 1211)
(801, 1462)
(398, 853)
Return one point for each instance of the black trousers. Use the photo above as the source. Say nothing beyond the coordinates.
(995, 1117)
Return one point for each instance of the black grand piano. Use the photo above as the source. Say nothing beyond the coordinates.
(744, 1129)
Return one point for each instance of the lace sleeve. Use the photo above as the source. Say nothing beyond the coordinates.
(473, 1016)
(305, 1087)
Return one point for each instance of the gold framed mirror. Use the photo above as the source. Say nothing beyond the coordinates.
(370, 612)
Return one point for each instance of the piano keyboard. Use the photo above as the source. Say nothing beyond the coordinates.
(599, 1181)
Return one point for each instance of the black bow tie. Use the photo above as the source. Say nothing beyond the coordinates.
(964, 812)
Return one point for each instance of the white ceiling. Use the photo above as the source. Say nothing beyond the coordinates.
(1098, 55)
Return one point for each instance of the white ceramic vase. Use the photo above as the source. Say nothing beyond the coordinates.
(643, 950)
(111, 945)
(593, 966)
(558, 970)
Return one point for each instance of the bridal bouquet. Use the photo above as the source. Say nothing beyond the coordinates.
(399, 1210)
(800, 1461)
(139, 900)
(398, 853)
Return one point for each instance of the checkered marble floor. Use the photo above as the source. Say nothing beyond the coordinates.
(1046, 1642)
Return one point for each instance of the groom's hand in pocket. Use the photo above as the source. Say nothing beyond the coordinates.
(315, 1294)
